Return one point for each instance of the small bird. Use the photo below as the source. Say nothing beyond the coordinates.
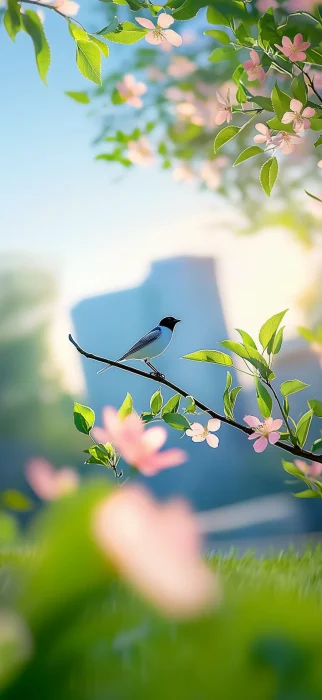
(151, 345)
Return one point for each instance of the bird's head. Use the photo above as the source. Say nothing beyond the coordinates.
(169, 322)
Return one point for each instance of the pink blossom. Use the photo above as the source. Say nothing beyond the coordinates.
(264, 135)
(320, 164)
(264, 432)
(137, 446)
(298, 117)
(184, 173)
(181, 66)
(66, 7)
(156, 547)
(286, 142)
(160, 33)
(188, 37)
(189, 110)
(131, 91)
(49, 483)
(199, 433)
(294, 50)
(210, 172)
(314, 469)
(224, 109)
(264, 5)
(301, 5)
(254, 69)
(155, 74)
(140, 152)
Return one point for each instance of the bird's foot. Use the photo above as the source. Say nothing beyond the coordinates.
(157, 375)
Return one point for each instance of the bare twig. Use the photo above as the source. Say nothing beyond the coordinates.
(292, 449)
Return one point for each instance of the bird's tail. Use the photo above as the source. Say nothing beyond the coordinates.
(104, 369)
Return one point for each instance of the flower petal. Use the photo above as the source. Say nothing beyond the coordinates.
(169, 458)
(296, 105)
(286, 42)
(214, 424)
(255, 57)
(260, 444)
(153, 38)
(262, 128)
(254, 436)
(288, 117)
(212, 440)
(154, 438)
(252, 421)
(273, 437)
(198, 438)
(276, 424)
(165, 20)
(308, 112)
(173, 37)
(146, 23)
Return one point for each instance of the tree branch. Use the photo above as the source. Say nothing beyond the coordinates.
(296, 451)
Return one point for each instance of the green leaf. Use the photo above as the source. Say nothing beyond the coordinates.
(268, 175)
(277, 125)
(190, 406)
(247, 338)
(219, 358)
(303, 427)
(317, 446)
(233, 395)
(125, 33)
(127, 407)
(216, 17)
(189, 9)
(12, 19)
(147, 417)
(292, 386)
(286, 406)
(225, 135)
(226, 397)
(249, 152)
(264, 399)
(102, 47)
(156, 402)
(172, 406)
(88, 59)
(33, 26)
(223, 53)
(176, 420)
(270, 327)
(267, 30)
(276, 342)
(81, 97)
(77, 32)
(316, 407)
(299, 88)
(281, 102)
(264, 102)
(313, 196)
(307, 334)
(309, 493)
(316, 124)
(219, 35)
(318, 142)
(84, 418)
(16, 501)
(101, 454)
(110, 27)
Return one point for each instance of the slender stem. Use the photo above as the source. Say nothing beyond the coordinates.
(296, 451)
(311, 83)
(280, 406)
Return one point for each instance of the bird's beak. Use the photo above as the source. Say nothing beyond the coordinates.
(178, 320)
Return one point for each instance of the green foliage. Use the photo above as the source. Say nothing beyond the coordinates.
(229, 397)
(33, 26)
(264, 399)
(292, 386)
(225, 135)
(316, 407)
(15, 500)
(303, 427)
(219, 358)
(101, 454)
(125, 33)
(156, 402)
(81, 97)
(249, 152)
(270, 327)
(172, 406)
(12, 19)
(84, 418)
(127, 407)
(176, 420)
(219, 35)
(88, 59)
(268, 175)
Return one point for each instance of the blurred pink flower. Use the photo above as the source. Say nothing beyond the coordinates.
(49, 483)
(210, 172)
(264, 5)
(253, 68)
(189, 110)
(66, 7)
(199, 433)
(264, 135)
(286, 142)
(156, 548)
(224, 109)
(320, 164)
(155, 74)
(298, 117)
(181, 66)
(183, 173)
(161, 31)
(294, 50)
(140, 152)
(264, 432)
(138, 447)
(131, 91)
(314, 469)
(301, 5)
(188, 37)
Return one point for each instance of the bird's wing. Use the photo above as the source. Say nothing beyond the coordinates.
(145, 341)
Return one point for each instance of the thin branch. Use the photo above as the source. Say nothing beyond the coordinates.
(280, 406)
(311, 83)
(48, 7)
(160, 379)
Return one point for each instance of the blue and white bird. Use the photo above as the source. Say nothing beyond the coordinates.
(151, 345)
